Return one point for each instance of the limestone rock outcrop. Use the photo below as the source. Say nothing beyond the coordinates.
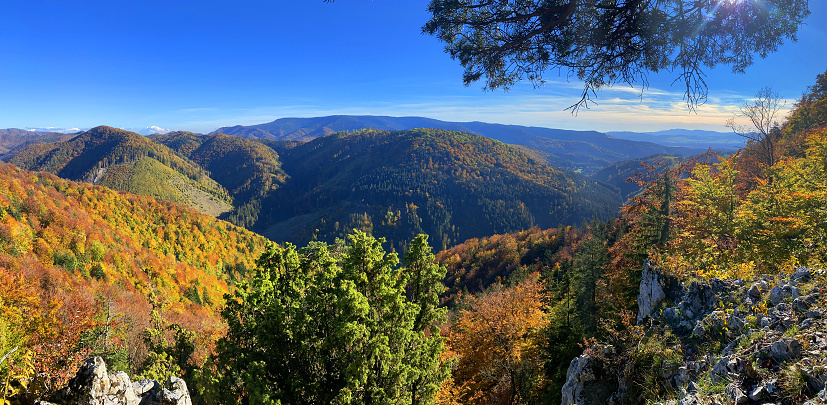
(762, 341)
(589, 380)
(93, 385)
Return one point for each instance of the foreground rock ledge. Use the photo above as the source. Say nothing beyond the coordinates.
(94, 386)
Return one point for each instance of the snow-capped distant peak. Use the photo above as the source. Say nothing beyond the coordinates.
(154, 130)
(150, 130)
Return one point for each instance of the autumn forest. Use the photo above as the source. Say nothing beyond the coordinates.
(423, 266)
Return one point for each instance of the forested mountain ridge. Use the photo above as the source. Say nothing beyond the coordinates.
(88, 270)
(249, 170)
(450, 185)
(586, 151)
(126, 161)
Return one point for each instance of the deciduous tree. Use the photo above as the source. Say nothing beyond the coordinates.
(762, 114)
(497, 341)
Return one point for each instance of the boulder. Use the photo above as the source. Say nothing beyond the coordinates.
(691, 399)
(785, 349)
(776, 295)
(177, 394)
(94, 386)
(754, 292)
(699, 299)
(758, 393)
(699, 330)
(734, 393)
(801, 275)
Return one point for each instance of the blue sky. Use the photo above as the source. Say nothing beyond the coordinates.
(198, 65)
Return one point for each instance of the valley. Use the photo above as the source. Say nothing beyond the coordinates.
(398, 183)
(441, 202)
(454, 243)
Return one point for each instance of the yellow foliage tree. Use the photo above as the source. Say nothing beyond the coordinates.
(497, 342)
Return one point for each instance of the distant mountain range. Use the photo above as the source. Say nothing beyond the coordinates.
(693, 138)
(452, 185)
(580, 151)
(295, 180)
(12, 139)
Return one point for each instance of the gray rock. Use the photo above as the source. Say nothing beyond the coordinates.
(758, 393)
(121, 390)
(817, 382)
(177, 395)
(670, 315)
(801, 305)
(94, 386)
(651, 291)
(700, 299)
(726, 369)
(142, 387)
(806, 324)
(698, 330)
(90, 386)
(784, 307)
(801, 275)
(754, 292)
(691, 399)
(691, 387)
(580, 372)
(734, 393)
(785, 349)
(582, 381)
(776, 295)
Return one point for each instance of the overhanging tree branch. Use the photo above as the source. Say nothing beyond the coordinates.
(607, 42)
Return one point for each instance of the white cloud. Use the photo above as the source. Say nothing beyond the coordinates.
(56, 129)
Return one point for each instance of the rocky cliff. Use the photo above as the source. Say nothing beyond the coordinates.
(93, 385)
(762, 341)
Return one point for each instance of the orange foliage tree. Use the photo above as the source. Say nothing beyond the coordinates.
(497, 344)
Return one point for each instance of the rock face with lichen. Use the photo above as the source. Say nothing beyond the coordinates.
(94, 386)
(762, 341)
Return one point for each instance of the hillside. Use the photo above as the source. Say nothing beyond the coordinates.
(476, 264)
(77, 258)
(617, 175)
(127, 161)
(585, 151)
(450, 185)
(248, 170)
